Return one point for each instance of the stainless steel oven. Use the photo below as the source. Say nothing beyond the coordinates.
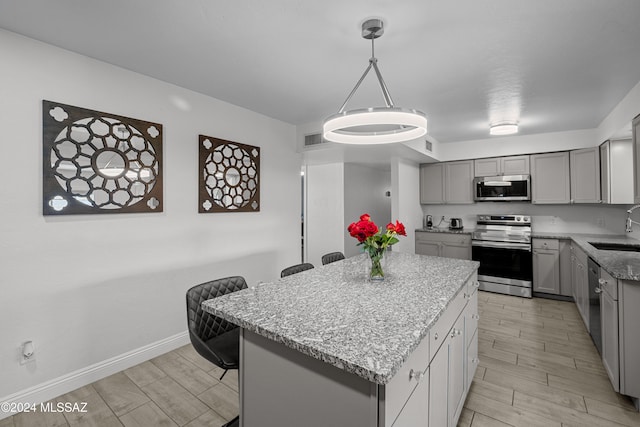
(502, 245)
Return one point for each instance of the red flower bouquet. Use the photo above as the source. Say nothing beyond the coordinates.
(375, 241)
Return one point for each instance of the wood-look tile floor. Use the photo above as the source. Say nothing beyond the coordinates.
(538, 367)
(179, 388)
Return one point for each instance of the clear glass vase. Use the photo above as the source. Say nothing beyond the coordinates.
(376, 271)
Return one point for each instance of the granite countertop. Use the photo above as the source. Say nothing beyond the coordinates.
(446, 230)
(623, 265)
(334, 314)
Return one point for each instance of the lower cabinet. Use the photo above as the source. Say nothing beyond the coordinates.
(435, 395)
(406, 396)
(619, 320)
(609, 327)
(416, 411)
(448, 245)
(566, 254)
(629, 345)
(447, 381)
(581, 284)
(471, 335)
(546, 266)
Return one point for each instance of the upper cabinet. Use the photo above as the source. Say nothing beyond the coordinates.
(512, 165)
(450, 182)
(458, 183)
(432, 183)
(550, 178)
(635, 126)
(616, 172)
(585, 175)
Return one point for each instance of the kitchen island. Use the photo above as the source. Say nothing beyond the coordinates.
(328, 347)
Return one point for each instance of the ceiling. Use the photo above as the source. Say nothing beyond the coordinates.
(551, 65)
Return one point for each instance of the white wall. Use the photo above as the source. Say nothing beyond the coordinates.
(405, 201)
(324, 212)
(621, 115)
(518, 144)
(364, 192)
(89, 288)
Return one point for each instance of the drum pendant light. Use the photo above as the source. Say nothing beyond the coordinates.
(375, 125)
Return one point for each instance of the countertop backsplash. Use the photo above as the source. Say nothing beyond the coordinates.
(582, 218)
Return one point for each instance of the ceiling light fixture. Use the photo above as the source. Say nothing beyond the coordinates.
(374, 125)
(503, 128)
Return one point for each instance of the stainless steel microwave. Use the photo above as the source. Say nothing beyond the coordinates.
(502, 188)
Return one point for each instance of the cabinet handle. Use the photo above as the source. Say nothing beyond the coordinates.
(475, 316)
(597, 290)
(602, 282)
(416, 375)
(455, 333)
(476, 284)
(475, 360)
(436, 336)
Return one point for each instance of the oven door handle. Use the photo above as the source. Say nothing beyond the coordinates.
(502, 245)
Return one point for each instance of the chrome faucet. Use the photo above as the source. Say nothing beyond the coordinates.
(629, 221)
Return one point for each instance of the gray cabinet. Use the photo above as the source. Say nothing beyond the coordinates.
(416, 410)
(546, 266)
(566, 288)
(406, 396)
(512, 165)
(581, 284)
(447, 379)
(629, 319)
(574, 272)
(609, 327)
(471, 333)
(448, 245)
(425, 246)
(616, 171)
(605, 183)
(550, 178)
(458, 182)
(450, 182)
(456, 371)
(635, 127)
(585, 175)
(432, 183)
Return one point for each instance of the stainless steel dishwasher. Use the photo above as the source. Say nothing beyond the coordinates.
(594, 304)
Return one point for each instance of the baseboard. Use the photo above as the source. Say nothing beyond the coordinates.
(69, 382)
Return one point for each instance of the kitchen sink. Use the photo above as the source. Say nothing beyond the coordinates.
(615, 247)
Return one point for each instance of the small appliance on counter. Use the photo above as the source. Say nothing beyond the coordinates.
(455, 224)
(428, 221)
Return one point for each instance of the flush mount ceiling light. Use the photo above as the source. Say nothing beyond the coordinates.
(504, 128)
(374, 125)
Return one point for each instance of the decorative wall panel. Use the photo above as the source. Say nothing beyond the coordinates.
(229, 176)
(96, 162)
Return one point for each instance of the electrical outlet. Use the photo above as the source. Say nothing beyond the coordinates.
(27, 352)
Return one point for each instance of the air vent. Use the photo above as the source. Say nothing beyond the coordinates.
(314, 139)
(428, 146)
